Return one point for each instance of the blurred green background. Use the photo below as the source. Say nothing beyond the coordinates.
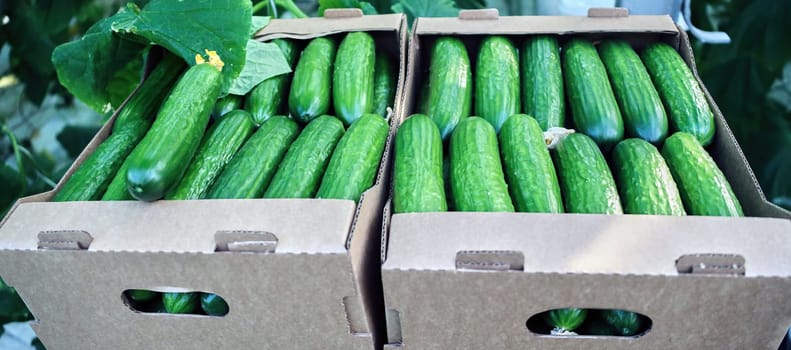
(43, 128)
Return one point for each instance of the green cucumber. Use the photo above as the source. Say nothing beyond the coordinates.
(585, 180)
(450, 85)
(180, 303)
(682, 95)
(219, 145)
(476, 177)
(117, 190)
(92, 177)
(566, 320)
(160, 159)
(353, 166)
(497, 81)
(301, 170)
(593, 107)
(251, 169)
(310, 88)
(418, 185)
(353, 78)
(644, 180)
(225, 105)
(267, 98)
(384, 84)
(704, 188)
(528, 167)
(141, 295)
(213, 305)
(625, 323)
(542, 81)
(643, 114)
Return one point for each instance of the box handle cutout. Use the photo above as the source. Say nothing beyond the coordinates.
(64, 240)
(711, 264)
(245, 241)
(149, 301)
(608, 12)
(490, 260)
(576, 322)
(485, 14)
(355, 316)
(343, 13)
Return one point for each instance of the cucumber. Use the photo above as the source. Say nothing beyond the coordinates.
(267, 98)
(180, 303)
(219, 145)
(566, 320)
(117, 190)
(92, 177)
(643, 114)
(225, 105)
(542, 81)
(353, 166)
(532, 181)
(141, 294)
(644, 180)
(497, 81)
(450, 85)
(683, 97)
(704, 188)
(625, 323)
(593, 107)
(310, 89)
(213, 305)
(301, 170)
(353, 78)
(384, 84)
(585, 180)
(418, 184)
(162, 156)
(249, 172)
(476, 177)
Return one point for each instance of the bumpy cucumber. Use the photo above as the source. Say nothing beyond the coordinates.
(593, 107)
(353, 165)
(180, 303)
(542, 81)
(704, 188)
(251, 169)
(353, 78)
(643, 114)
(384, 84)
(301, 170)
(566, 320)
(225, 105)
(310, 89)
(117, 189)
(644, 180)
(689, 111)
(497, 81)
(625, 323)
(476, 178)
(267, 98)
(418, 185)
(450, 85)
(217, 148)
(528, 167)
(586, 183)
(213, 305)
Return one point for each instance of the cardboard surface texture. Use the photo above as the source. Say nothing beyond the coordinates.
(296, 273)
(472, 280)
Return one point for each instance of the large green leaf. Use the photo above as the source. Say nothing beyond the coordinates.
(264, 60)
(334, 4)
(419, 8)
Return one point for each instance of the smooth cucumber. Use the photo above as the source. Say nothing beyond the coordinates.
(309, 96)
(353, 78)
(645, 183)
(225, 105)
(528, 167)
(141, 294)
(219, 145)
(302, 167)
(593, 107)
(450, 85)
(476, 177)
(267, 98)
(497, 81)
(542, 81)
(213, 305)
(384, 84)
(117, 190)
(353, 166)
(585, 180)
(682, 95)
(249, 172)
(180, 303)
(703, 187)
(418, 184)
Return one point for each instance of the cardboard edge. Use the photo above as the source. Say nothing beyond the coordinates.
(323, 26)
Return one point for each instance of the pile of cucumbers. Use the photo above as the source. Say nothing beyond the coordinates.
(177, 139)
(640, 124)
(196, 303)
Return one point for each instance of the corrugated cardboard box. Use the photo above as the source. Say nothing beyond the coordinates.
(294, 272)
(472, 280)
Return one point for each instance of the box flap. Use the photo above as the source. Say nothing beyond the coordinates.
(305, 28)
(545, 24)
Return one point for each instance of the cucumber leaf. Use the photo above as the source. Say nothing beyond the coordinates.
(419, 8)
(336, 4)
(367, 8)
(264, 60)
(257, 23)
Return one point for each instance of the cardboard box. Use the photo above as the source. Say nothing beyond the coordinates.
(294, 272)
(472, 280)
